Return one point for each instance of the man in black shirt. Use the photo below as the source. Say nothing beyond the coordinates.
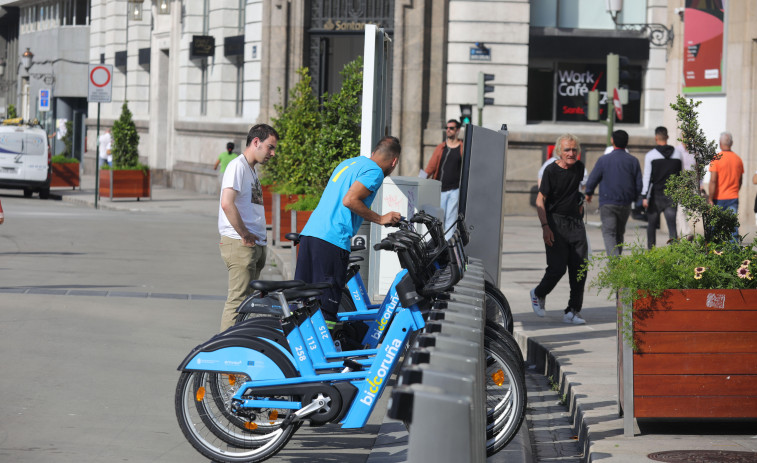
(559, 206)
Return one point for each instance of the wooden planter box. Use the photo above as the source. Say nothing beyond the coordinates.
(695, 356)
(65, 174)
(285, 218)
(125, 184)
(268, 204)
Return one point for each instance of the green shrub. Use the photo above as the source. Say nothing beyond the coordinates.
(298, 126)
(315, 139)
(125, 146)
(63, 159)
(67, 140)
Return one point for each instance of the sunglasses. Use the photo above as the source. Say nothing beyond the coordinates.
(451, 127)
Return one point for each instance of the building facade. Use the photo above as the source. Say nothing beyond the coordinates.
(44, 46)
(197, 74)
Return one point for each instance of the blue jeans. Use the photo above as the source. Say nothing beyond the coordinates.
(733, 205)
(449, 202)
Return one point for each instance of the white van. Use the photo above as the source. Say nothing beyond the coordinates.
(25, 159)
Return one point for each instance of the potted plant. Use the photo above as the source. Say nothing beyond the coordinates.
(65, 168)
(315, 138)
(687, 325)
(127, 178)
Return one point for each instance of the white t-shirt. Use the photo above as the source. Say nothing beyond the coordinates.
(104, 141)
(249, 201)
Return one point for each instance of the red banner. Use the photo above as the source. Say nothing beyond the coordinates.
(703, 46)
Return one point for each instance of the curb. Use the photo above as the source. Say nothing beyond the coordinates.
(546, 364)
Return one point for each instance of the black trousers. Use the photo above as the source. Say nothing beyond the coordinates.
(660, 204)
(319, 261)
(568, 252)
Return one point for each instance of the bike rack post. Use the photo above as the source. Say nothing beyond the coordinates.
(434, 414)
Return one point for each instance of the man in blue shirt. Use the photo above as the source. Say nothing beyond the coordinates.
(620, 176)
(345, 203)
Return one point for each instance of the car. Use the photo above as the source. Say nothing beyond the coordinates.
(25, 158)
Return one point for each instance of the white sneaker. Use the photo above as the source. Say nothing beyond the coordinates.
(537, 303)
(573, 318)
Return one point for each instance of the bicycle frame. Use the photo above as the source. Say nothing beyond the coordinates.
(263, 373)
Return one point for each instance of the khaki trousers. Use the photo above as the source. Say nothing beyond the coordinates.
(244, 265)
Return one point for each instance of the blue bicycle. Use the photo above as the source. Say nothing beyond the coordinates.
(244, 393)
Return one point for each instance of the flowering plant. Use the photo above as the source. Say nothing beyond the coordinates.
(682, 264)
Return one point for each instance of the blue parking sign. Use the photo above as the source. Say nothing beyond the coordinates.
(44, 99)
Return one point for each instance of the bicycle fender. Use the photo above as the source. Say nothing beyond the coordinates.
(232, 354)
(267, 305)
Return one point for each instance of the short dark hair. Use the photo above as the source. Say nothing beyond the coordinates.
(261, 132)
(457, 123)
(388, 147)
(229, 146)
(661, 132)
(620, 139)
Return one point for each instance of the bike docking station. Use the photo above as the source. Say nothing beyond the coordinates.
(441, 392)
(442, 381)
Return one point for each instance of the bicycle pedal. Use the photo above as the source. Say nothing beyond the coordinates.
(353, 365)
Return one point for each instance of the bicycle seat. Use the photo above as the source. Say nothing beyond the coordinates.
(322, 285)
(299, 293)
(294, 237)
(354, 259)
(269, 285)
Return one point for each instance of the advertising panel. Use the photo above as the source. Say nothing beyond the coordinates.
(703, 46)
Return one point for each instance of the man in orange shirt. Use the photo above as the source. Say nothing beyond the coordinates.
(726, 176)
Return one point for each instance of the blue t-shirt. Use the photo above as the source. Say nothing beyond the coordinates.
(331, 221)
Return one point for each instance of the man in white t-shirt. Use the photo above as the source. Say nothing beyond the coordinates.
(241, 218)
(104, 145)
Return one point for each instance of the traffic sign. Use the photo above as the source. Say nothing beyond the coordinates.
(100, 83)
(618, 106)
(44, 99)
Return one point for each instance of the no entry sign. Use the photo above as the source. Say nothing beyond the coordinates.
(100, 83)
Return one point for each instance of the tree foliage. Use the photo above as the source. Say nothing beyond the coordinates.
(125, 146)
(315, 137)
(684, 188)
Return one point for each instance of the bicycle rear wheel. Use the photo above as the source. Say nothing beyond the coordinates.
(497, 307)
(209, 430)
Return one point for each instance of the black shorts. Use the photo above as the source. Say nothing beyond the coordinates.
(319, 261)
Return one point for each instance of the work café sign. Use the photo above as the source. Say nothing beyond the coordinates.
(573, 83)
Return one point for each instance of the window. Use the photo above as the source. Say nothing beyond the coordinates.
(240, 86)
(558, 91)
(584, 14)
(51, 14)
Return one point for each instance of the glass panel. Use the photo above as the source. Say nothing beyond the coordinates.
(543, 13)
(540, 94)
(81, 10)
(585, 14)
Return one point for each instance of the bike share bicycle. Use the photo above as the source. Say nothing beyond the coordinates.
(245, 392)
(355, 296)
